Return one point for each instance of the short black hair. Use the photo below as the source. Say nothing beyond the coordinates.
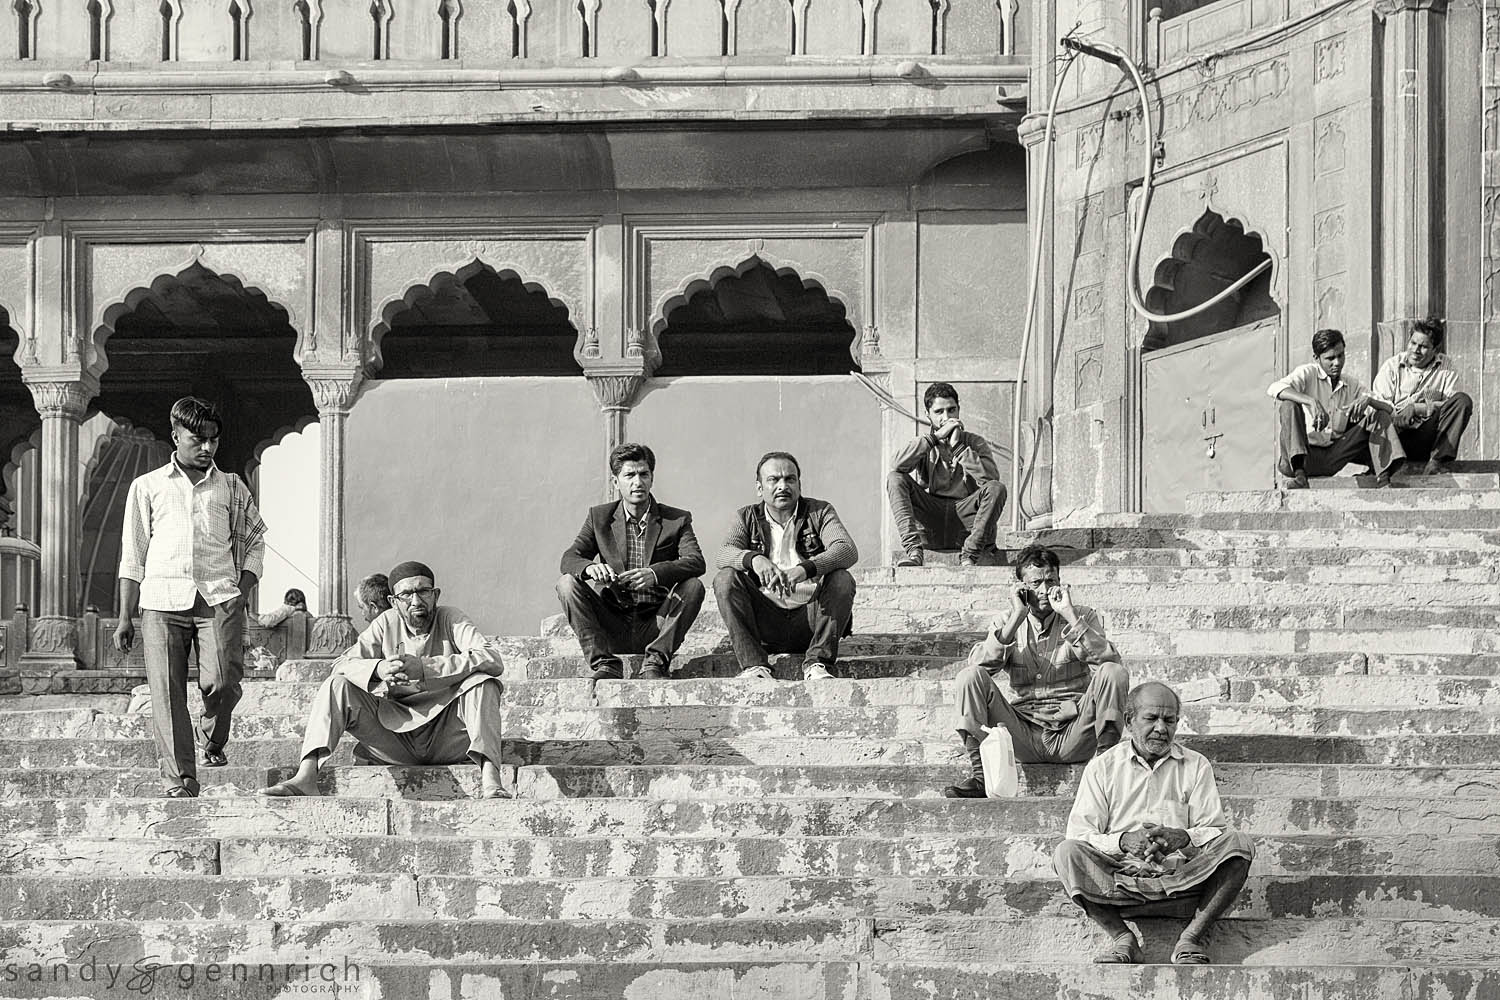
(375, 589)
(1433, 328)
(1327, 340)
(294, 596)
(1036, 555)
(777, 454)
(938, 390)
(631, 452)
(194, 414)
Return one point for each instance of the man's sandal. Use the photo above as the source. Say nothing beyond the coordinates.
(1188, 953)
(283, 790)
(1125, 950)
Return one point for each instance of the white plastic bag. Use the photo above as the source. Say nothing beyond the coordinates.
(997, 755)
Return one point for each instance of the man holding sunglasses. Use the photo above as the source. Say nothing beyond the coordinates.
(421, 686)
(1067, 685)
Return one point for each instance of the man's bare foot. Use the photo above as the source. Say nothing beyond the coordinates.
(490, 784)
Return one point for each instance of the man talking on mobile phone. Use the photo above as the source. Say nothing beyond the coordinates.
(1068, 687)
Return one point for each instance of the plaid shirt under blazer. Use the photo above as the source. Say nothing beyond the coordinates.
(674, 552)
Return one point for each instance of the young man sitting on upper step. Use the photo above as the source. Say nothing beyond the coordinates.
(1421, 384)
(1068, 685)
(1326, 420)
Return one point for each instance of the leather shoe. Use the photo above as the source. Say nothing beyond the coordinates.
(214, 757)
(969, 788)
(654, 671)
(608, 672)
(911, 558)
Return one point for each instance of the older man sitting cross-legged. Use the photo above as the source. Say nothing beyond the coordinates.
(421, 686)
(1148, 826)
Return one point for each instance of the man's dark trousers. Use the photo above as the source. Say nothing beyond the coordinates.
(1438, 436)
(606, 626)
(1353, 446)
(757, 624)
(947, 523)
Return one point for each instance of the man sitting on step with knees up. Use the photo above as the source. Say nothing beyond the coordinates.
(421, 686)
(784, 582)
(945, 488)
(1067, 681)
(1147, 826)
(630, 579)
(1421, 384)
(1326, 420)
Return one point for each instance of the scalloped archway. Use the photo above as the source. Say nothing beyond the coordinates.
(475, 321)
(1206, 259)
(755, 318)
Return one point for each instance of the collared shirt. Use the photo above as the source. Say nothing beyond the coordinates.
(1120, 792)
(1398, 379)
(784, 555)
(1310, 379)
(636, 556)
(952, 473)
(183, 538)
(1048, 662)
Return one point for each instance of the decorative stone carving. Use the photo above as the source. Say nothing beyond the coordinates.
(1088, 375)
(1330, 248)
(54, 638)
(869, 344)
(635, 339)
(1088, 301)
(1328, 144)
(61, 399)
(615, 391)
(1226, 95)
(334, 394)
(591, 342)
(1328, 59)
(331, 635)
(1089, 142)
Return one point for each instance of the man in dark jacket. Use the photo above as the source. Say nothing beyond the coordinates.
(784, 581)
(630, 579)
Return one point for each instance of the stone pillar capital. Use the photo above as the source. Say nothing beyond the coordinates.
(1385, 8)
(61, 397)
(334, 391)
(615, 388)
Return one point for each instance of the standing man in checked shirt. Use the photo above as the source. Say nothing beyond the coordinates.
(630, 579)
(193, 547)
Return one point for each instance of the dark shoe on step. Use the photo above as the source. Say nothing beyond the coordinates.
(969, 788)
(608, 672)
(910, 558)
(965, 559)
(1437, 467)
(1296, 481)
(214, 757)
(654, 671)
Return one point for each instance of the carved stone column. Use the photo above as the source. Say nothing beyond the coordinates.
(54, 628)
(1412, 170)
(1033, 505)
(615, 389)
(333, 631)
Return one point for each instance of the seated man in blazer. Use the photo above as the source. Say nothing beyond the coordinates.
(421, 686)
(630, 579)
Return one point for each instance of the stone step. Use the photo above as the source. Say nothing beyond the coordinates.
(1412, 496)
(730, 781)
(1171, 598)
(1446, 481)
(828, 981)
(917, 709)
(1237, 940)
(986, 980)
(403, 896)
(1418, 691)
(1349, 579)
(223, 817)
(995, 853)
(1183, 557)
(1397, 749)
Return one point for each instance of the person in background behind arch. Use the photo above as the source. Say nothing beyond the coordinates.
(373, 597)
(291, 603)
(1421, 384)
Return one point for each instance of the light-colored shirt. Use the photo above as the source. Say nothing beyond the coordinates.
(784, 555)
(1310, 379)
(951, 473)
(455, 656)
(1048, 662)
(1398, 379)
(179, 537)
(1120, 792)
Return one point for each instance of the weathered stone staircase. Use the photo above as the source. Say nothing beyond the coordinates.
(707, 837)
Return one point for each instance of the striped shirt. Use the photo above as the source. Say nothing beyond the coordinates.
(636, 556)
(1049, 662)
(182, 539)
